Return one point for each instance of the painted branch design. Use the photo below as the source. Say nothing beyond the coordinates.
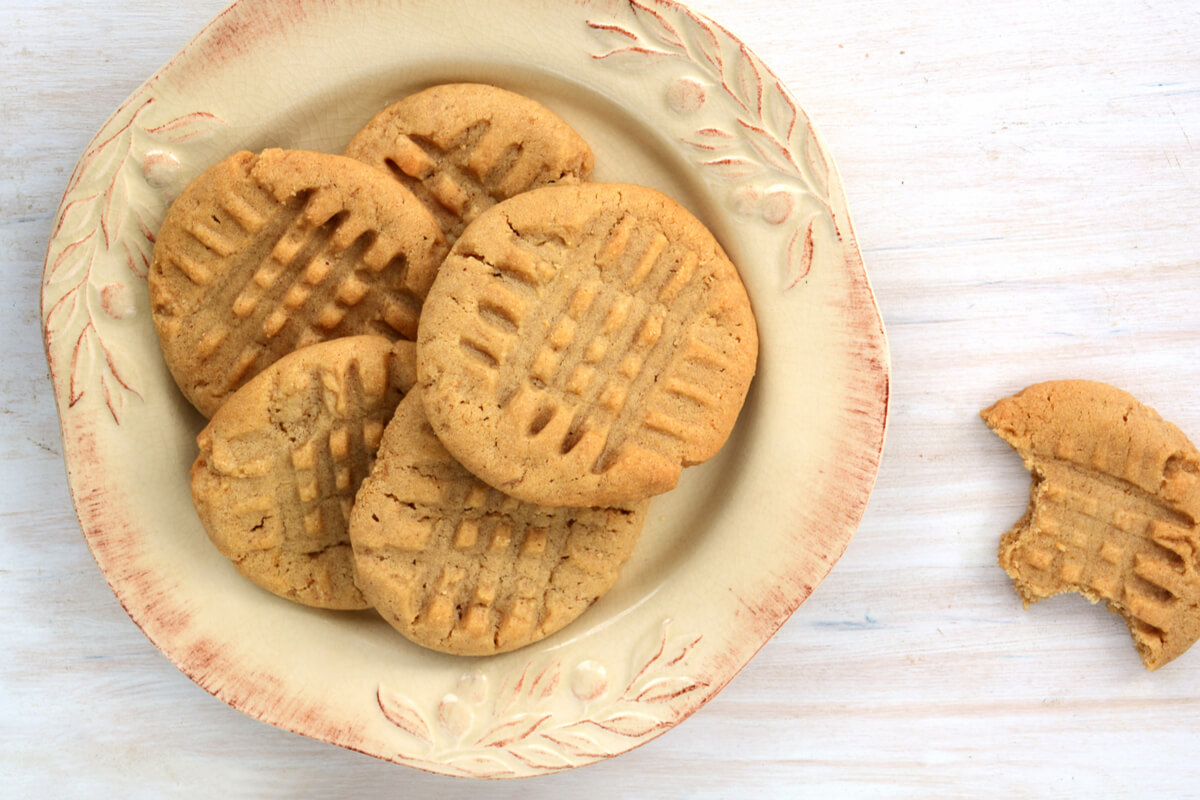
(760, 139)
(104, 238)
(523, 728)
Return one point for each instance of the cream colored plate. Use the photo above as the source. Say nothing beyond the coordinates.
(666, 98)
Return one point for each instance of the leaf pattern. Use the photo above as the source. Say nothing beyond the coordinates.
(575, 742)
(480, 766)
(541, 758)
(709, 46)
(197, 125)
(767, 134)
(104, 237)
(540, 736)
(779, 111)
(747, 83)
(401, 712)
(513, 729)
(659, 28)
(630, 723)
(712, 139)
(772, 151)
(664, 690)
(734, 167)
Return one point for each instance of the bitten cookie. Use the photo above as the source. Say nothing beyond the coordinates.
(461, 568)
(462, 147)
(281, 460)
(582, 344)
(262, 255)
(1113, 512)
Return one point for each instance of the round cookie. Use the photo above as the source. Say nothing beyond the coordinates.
(262, 255)
(582, 344)
(458, 567)
(1114, 509)
(281, 460)
(462, 147)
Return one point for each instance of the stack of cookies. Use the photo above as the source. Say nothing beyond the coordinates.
(444, 372)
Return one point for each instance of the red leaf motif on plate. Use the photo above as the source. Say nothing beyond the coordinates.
(811, 148)
(709, 45)
(657, 26)
(632, 57)
(800, 253)
(513, 730)
(576, 742)
(683, 651)
(540, 757)
(81, 351)
(630, 724)
(748, 83)
(656, 654)
(773, 152)
(90, 348)
(779, 112)
(664, 690)
(68, 303)
(509, 694)
(75, 231)
(89, 163)
(137, 256)
(481, 766)
(196, 125)
(545, 684)
(67, 256)
(104, 194)
(401, 712)
(712, 140)
(116, 203)
(734, 167)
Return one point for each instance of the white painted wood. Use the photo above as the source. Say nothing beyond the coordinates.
(1023, 179)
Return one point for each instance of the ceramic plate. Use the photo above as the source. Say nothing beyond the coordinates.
(666, 98)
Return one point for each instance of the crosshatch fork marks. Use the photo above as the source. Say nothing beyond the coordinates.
(626, 338)
(1113, 509)
(461, 148)
(461, 567)
(266, 254)
(621, 337)
(282, 460)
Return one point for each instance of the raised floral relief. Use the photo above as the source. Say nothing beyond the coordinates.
(751, 134)
(101, 247)
(552, 715)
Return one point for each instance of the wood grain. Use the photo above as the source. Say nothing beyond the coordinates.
(1023, 179)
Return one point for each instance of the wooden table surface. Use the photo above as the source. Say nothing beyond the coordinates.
(1024, 181)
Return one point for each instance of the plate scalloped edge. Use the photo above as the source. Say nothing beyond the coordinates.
(757, 149)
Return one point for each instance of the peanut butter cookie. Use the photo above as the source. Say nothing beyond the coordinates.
(582, 344)
(1113, 513)
(462, 147)
(262, 255)
(459, 567)
(281, 461)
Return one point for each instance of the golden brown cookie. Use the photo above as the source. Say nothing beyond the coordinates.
(582, 344)
(462, 147)
(262, 255)
(1113, 512)
(459, 567)
(281, 460)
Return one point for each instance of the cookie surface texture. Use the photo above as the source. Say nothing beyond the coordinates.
(582, 344)
(459, 567)
(282, 459)
(262, 255)
(463, 147)
(1113, 511)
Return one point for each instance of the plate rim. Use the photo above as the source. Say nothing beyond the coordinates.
(75, 428)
